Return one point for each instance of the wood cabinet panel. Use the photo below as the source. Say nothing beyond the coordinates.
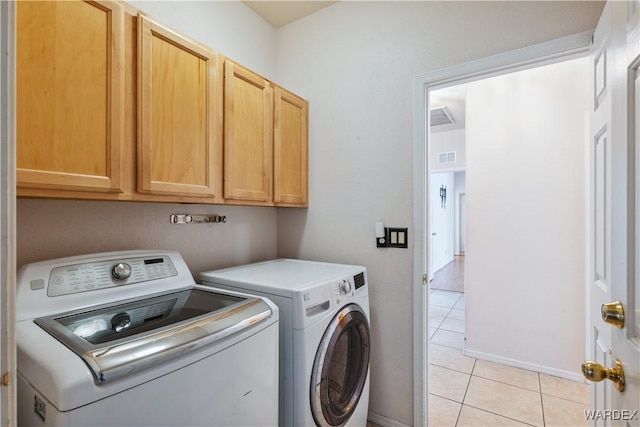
(70, 95)
(113, 106)
(291, 144)
(180, 114)
(248, 135)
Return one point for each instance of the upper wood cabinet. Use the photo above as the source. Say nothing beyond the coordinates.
(114, 106)
(290, 149)
(248, 135)
(180, 95)
(70, 93)
(265, 141)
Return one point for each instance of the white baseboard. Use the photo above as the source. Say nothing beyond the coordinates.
(569, 375)
(383, 421)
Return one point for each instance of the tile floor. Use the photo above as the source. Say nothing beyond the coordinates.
(465, 391)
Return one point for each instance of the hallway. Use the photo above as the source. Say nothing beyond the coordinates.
(464, 391)
(450, 277)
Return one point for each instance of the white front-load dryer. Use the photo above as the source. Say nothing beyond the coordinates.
(324, 336)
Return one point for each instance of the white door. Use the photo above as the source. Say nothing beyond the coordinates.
(612, 262)
(626, 341)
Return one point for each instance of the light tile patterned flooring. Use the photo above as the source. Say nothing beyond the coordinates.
(465, 391)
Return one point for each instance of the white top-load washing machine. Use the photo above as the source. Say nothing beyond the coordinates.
(324, 336)
(129, 339)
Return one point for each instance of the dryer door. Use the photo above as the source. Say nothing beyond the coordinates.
(341, 367)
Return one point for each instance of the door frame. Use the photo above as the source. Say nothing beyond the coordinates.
(7, 212)
(566, 48)
(461, 196)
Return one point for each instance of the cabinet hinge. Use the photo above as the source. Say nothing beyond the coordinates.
(425, 279)
(5, 379)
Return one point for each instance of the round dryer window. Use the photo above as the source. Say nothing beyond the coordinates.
(340, 368)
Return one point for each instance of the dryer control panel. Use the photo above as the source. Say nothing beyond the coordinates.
(347, 288)
(320, 299)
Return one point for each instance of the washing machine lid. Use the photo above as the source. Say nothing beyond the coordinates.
(121, 338)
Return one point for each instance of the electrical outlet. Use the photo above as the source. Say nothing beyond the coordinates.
(383, 242)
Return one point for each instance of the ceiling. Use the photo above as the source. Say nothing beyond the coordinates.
(454, 98)
(280, 13)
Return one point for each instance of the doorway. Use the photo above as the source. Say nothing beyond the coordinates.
(469, 248)
(442, 220)
(448, 228)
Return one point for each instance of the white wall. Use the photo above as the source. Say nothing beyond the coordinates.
(525, 258)
(444, 142)
(442, 220)
(356, 63)
(54, 228)
(228, 27)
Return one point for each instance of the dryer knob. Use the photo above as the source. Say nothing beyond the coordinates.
(121, 271)
(345, 287)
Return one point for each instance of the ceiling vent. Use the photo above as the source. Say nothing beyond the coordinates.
(441, 116)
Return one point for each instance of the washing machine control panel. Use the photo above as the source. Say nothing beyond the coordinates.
(71, 279)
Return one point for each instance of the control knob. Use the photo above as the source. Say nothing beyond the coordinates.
(121, 271)
(345, 287)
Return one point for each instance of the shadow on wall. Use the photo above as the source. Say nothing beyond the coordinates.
(49, 229)
(291, 225)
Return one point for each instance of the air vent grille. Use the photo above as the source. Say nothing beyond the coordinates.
(441, 116)
(445, 158)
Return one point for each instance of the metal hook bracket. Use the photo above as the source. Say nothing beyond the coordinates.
(196, 219)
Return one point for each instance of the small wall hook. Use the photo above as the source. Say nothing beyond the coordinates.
(196, 219)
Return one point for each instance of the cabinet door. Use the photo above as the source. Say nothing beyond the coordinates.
(248, 135)
(70, 95)
(179, 114)
(290, 149)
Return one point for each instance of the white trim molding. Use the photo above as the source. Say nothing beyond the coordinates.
(8, 399)
(561, 49)
(383, 421)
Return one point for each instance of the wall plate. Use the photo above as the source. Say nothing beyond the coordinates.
(398, 237)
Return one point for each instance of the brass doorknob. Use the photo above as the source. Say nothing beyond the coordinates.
(593, 371)
(613, 313)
